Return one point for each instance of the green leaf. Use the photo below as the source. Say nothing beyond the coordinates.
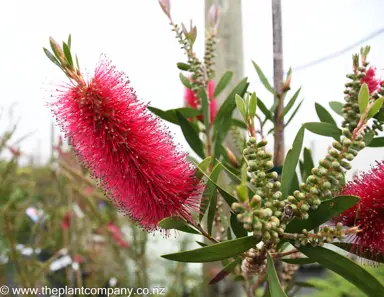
(264, 109)
(295, 185)
(354, 249)
(206, 113)
(324, 115)
(191, 136)
(275, 288)
(238, 123)
(215, 252)
(69, 41)
(67, 54)
(346, 268)
(241, 107)
(324, 129)
(210, 194)
(291, 102)
(298, 261)
(326, 211)
(223, 83)
(237, 227)
(368, 137)
(202, 244)
(178, 224)
(293, 114)
(229, 199)
(229, 104)
(185, 80)
(221, 122)
(252, 105)
(375, 107)
(183, 66)
(290, 163)
(226, 196)
(336, 107)
(52, 57)
(170, 115)
(377, 142)
(263, 79)
(306, 168)
(363, 98)
(225, 271)
(203, 166)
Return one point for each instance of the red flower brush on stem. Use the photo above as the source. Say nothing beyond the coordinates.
(368, 214)
(371, 80)
(191, 100)
(126, 147)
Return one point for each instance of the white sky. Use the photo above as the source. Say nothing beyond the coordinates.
(136, 36)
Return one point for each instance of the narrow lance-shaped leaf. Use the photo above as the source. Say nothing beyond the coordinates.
(324, 115)
(241, 107)
(68, 55)
(291, 102)
(275, 288)
(346, 268)
(223, 83)
(263, 79)
(215, 252)
(170, 115)
(206, 112)
(375, 107)
(185, 80)
(191, 136)
(203, 166)
(324, 129)
(336, 107)
(225, 271)
(52, 57)
(264, 109)
(252, 105)
(377, 142)
(178, 224)
(363, 98)
(294, 113)
(290, 163)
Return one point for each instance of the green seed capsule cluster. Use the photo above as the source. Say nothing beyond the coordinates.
(326, 177)
(261, 213)
(209, 57)
(351, 112)
(326, 234)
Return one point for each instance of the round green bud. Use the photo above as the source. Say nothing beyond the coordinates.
(291, 199)
(267, 212)
(277, 185)
(268, 204)
(333, 153)
(262, 143)
(337, 145)
(345, 165)
(272, 174)
(252, 140)
(326, 185)
(261, 175)
(349, 157)
(277, 195)
(314, 190)
(335, 165)
(304, 216)
(304, 207)
(237, 207)
(347, 142)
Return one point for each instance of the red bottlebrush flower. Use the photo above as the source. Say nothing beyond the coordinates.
(66, 221)
(371, 80)
(127, 148)
(191, 100)
(117, 235)
(368, 213)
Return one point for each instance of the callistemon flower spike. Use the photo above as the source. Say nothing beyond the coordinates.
(368, 214)
(125, 147)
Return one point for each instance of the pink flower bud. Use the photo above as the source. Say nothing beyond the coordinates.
(166, 7)
(213, 17)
